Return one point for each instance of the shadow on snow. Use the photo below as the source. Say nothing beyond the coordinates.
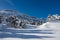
(5, 35)
(13, 33)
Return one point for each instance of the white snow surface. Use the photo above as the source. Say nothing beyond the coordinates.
(46, 31)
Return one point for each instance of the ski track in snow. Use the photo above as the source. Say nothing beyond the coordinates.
(47, 31)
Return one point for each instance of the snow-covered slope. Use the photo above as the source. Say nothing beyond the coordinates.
(47, 31)
(50, 25)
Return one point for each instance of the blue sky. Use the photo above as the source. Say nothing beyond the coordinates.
(37, 8)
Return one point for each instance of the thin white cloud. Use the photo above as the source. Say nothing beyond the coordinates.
(10, 2)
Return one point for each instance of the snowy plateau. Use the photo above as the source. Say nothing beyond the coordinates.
(47, 31)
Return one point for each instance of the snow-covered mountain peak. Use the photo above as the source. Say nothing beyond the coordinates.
(9, 12)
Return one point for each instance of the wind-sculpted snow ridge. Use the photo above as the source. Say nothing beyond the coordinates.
(50, 25)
